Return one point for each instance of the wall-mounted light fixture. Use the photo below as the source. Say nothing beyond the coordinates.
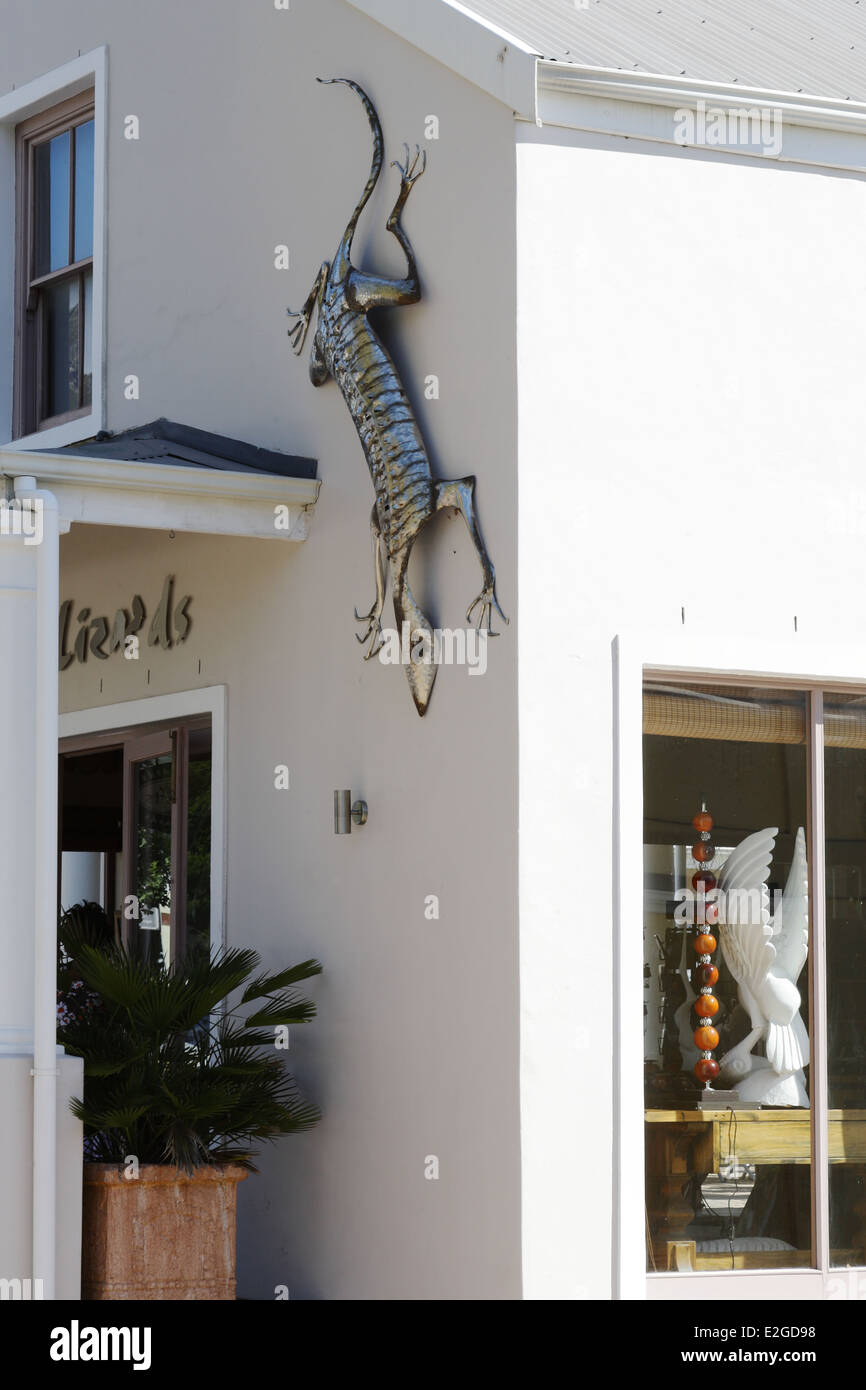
(345, 812)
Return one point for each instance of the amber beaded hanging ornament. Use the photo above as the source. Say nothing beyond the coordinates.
(705, 974)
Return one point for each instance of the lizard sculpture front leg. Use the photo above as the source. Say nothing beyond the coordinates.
(298, 331)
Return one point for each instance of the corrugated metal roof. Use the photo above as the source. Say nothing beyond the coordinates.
(813, 46)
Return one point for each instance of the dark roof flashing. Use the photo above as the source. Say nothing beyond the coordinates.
(166, 441)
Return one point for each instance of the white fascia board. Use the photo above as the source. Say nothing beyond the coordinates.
(826, 131)
(488, 57)
(162, 497)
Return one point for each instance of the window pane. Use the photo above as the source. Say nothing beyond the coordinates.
(727, 1174)
(152, 810)
(87, 377)
(198, 840)
(51, 174)
(83, 191)
(845, 803)
(60, 349)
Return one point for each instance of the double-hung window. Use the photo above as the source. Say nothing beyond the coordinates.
(54, 273)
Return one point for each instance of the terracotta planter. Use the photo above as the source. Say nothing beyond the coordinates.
(163, 1235)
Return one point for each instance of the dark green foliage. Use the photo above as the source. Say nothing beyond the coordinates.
(171, 1073)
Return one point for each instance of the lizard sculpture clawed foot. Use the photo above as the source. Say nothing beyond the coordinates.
(488, 601)
(298, 331)
(408, 174)
(373, 635)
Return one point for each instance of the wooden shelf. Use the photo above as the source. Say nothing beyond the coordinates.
(770, 1136)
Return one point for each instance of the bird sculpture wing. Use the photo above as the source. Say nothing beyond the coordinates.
(787, 1041)
(744, 912)
(791, 922)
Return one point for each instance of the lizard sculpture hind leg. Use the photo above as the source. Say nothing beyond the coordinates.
(368, 292)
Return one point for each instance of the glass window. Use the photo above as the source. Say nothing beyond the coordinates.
(83, 225)
(51, 212)
(198, 831)
(726, 981)
(845, 873)
(55, 215)
(152, 841)
(60, 318)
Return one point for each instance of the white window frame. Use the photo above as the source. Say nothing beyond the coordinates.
(211, 699)
(692, 656)
(89, 70)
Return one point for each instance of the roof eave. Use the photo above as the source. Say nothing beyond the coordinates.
(662, 89)
(159, 496)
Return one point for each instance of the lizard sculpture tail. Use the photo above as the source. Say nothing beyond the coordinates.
(421, 667)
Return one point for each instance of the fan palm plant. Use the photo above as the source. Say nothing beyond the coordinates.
(172, 1073)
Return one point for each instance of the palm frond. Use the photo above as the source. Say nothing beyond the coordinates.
(164, 1078)
(269, 984)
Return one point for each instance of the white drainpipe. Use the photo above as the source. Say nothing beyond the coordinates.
(45, 926)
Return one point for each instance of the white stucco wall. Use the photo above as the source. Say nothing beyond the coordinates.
(415, 1051)
(691, 358)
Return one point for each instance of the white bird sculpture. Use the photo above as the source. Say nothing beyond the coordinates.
(765, 956)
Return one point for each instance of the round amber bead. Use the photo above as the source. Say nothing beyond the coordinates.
(704, 944)
(703, 851)
(706, 1038)
(705, 975)
(707, 1069)
(702, 821)
(707, 1006)
(705, 877)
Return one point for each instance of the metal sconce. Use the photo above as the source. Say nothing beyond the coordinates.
(345, 812)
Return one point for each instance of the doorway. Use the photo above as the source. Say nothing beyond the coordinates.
(135, 831)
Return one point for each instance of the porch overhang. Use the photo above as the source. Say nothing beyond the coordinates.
(168, 497)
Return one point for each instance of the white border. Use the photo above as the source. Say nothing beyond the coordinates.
(684, 654)
(16, 106)
(210, 699)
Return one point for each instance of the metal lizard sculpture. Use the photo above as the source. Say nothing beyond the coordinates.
(347, 348)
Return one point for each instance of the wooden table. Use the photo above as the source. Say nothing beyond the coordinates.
(682, 1143)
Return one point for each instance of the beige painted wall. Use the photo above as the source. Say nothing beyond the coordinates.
(416, 1048)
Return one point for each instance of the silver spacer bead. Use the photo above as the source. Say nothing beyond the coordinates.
(705, 960)
(706, 989)
(706, 1056)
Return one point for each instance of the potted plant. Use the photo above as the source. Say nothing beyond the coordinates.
(178, 1087)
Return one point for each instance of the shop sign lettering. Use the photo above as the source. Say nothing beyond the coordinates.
(100, 636)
